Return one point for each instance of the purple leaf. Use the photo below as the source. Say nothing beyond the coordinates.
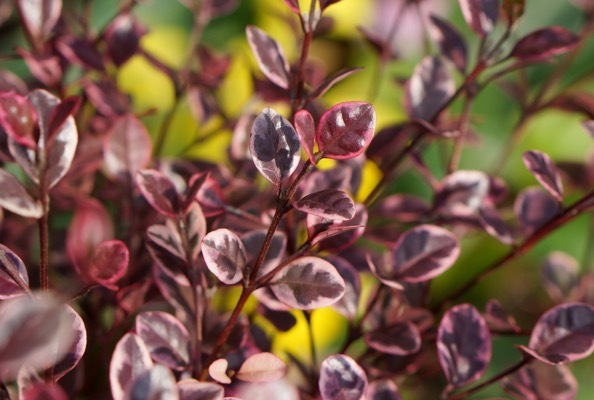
(326, 3)
(463, 345)
(159, 191)
(224, 255)
(420, 254)
(122, 37)
(270, 56)
(563, 334)
(534, 208)
(39, 16)
(44, 391)
(544, 43)
(541, 381)
(429, 89)
(337, 236)
(129, 360)
(400, 339)
(349, 302)
(346, 130)
(560, 276)
(262, 367)
(404, 208)
(13, 274)
(127, 147)
(210, 197)
(44, 67)
(18, 118)
(175, 288)
(167, 237)
(499, 319)
(80, 51)
(78, 345)
(195, 229)
(218, 371)
(331, 81)
(166, 338)
(253, 241)
(157, 382)
(191, 389)
(462, 193)
(306, 131)
(274, 146)
(14, 197)
(545, 172)
(341, 378)
(330, 204)
(308, 283)
(385, 389)
(450, 41)
(480, 15)
(61, 112)
(108, 264)
(493, 224)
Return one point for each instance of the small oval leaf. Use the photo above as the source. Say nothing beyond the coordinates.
(224, 255)
(545, 172)
(262, 367)
(270, 56)
(129, 360)
(108, 263)
(40, 16)
(330, 204)
(341, 378)
(493, 224)
(218, 371)
(306, 131)
(155, 383)
(159, 191)
(399, 339)
(560, 275)
(14, 280)
(191, 389)
(14, 197)
(78, 345)
(534, 208)
(127, 148)
(461, 193)
(429, 88)
(544, 43)
(384, 389)
(480, 15)
(541, 381)
(308, 283)
(450, 41)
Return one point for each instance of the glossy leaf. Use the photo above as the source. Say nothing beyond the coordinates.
(129, 360)
(339, 236)
(61, 112)
(274, 146)
(541, 381)
(165, 337)
(191, 389)
(108, 263)
(534, 208)
(563, 334)
(306, 131)
(262, 367)
(127, 147)
(156, 383)
(218, 371)
(462, 193)
(224, 255)
(167, 237)
(429, 89)
(270, 56)
(346, 130)
(40, 16)
(384, 389)
(332, 80)
(560, 276)
(253, 241)
(78, 344)
(159, 191)
(330, 204)
(480, 15)
(308, 283)
(463, 345)
(18, 118)
(493, 224)
(420, 254)
(195, 229)
(13, 274)
(545, 172)
(450, 41)
(341, 378)
(544, 43)
(14, 197)
(398, 339)
(210, 197)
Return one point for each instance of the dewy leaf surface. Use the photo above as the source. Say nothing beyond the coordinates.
(274, 146)
(270, 56)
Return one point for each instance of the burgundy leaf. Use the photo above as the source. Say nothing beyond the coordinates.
(563, 334)
(80, 51)
(541, 381)
(39, 16)
(218, 371)
(306, 131)
(10, 82)
(177, 293)
(108, 264)
(262, 367)
(270, 56)
(349, 302)
(166, 338)
(499, 319)
(420, 254)
(129, 360)
(404, 208)
(461, 193)
(450, 41)
(191, 389)
(225, 255)
(346, 130)
(18, 118)
(60, 114)
(560, 276)
(337, 236)
(156, 383)
(385, 389)
(493, 224)
(480, 15)
(544, 43)
(534, 208)
(44, 67)
(167, 237)
(429, 89)
(399, 339)
(123, 38)
(332, 80)
(326, 3)
(274, 146)
(330, 204)
(44, 391)
(341, 378)
(253, 242)
(308, 283)
(127, 147)
(463, 345)
(159, 191)
(195, 229)
(14, 197)
(78, 344)
(545, 172)
(14, 279)
(210, 197)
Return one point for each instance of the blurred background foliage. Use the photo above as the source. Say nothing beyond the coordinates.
(495, 114)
